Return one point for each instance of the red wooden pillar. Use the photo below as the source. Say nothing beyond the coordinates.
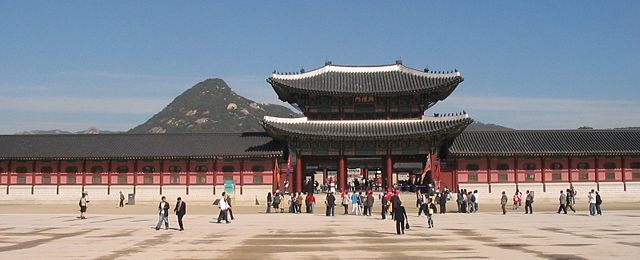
(515, 171)
(135, 175)
(298, 172)
(544, 179)
(109, 177)
(215, 176)
(489, 173)
(624, 178)
(33, 177)
(161, 174)
(341, 174)
(241, 176)
(597, 173)
(389, 170)
(569, 171)
(84, 173)
(188, 174)
(57, 176)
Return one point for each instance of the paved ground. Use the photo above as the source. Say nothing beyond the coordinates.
(273, 236)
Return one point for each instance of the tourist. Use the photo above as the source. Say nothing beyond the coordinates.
(592, 203)
(442, 200)
(503, 202)
(330, 203)
(355, 201)
(180, 210)
(222, 204)
(276, 201)
(470, 202)
(370, 201)
(598, 203)
(299, 202)
(292, 202)
(229, 207)
(286, 186)
(460, 200)
(345, 202)
(269, 202)
(570, 200)
(516, 200)
(528, 204)
(361, 202)
(563, 202)
(311, 202)
(431, 209)
(418, 199)
(384, 204)
(163, 213)
(476, 201)
(395, 203)
(400, 215)
(121, 200)
(83, 205)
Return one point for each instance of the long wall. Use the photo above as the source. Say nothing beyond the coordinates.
(616, 176)
(197, 179)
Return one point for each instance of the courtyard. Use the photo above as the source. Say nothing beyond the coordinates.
(109, 234)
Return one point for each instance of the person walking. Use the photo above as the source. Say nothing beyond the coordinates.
(528, 204)
(180, 210)
(163, 212)
(330, 203)
(503, 202)
(395, 202)
(400, 214)
(476, 201)
(311, 200)
(276, 201)
(384, 203)
(299, 202)
(121, 200)
(598, 203)
(222, 204)
(345, 202)
(269, 202)
(83, 205)
(370, 202)
(516, 200)
(563, 202)
(459, 200)
(570, 200)
(442, 200)
(592, 203)
(431, 209)
(355, 200)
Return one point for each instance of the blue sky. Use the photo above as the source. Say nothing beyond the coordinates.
(112, 64)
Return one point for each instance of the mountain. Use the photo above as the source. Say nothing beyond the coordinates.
(479, 126)
(90, 130)
(211, 106)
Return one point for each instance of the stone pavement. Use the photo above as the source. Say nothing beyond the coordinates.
(306, 236)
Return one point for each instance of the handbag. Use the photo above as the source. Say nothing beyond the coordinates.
(407, 225)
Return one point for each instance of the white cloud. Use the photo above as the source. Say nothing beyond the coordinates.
(65, 104)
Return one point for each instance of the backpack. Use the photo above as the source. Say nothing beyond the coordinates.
(473, 198)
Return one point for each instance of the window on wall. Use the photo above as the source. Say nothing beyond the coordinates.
(227, 169)
(609, 165)
(147, 180)
(21, 169)
(529, 166)
(473, 177)
(531, 177)
(584, 176)
(97, 169)
(503, 177)
(201, 168)
(201, 180)
(122, 169)
(22, 180)
(148, 169)
(122, 180)
(71, 169)
(96, 180)
(174, 168)
(635, 176)
(610, 176)
(71, 179)
(583, 165)
(635, 165)
(257, 179)
(556, 177)
(257, 169)
(472, 167)
(556, 166)
(502, 167)
(175, 180)
(46, 179)
(46, 169)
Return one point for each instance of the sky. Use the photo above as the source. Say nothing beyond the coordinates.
(72, 65)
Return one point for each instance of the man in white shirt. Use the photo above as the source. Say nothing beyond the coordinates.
(592, 203)
(163, 213)
(222, 203)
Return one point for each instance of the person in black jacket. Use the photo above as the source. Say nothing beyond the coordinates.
(399, 214)
(331, 204)
(163, 212)
(180, 210)
(598, 203)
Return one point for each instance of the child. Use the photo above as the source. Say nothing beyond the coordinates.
(431, 208)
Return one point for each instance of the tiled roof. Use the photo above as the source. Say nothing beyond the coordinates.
(547, 142)
(365, 129)
(390, 80)
(137, 146)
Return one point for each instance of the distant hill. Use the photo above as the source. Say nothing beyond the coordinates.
(91, 130)
(479, 126)
(211, 106)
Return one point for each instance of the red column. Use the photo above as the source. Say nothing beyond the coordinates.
(542, 166)
(597, 173)
(57, 177)
(569, 170)
(84, 173)
(241, 176)
(298, 173)
(624, 179)
(489, 173)
(215, 176)
(188, 174)
(135, 175)
(109, 177)
(161, 175)
(389, 166)
(33, 176)
(515, 171)
(341, 174)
